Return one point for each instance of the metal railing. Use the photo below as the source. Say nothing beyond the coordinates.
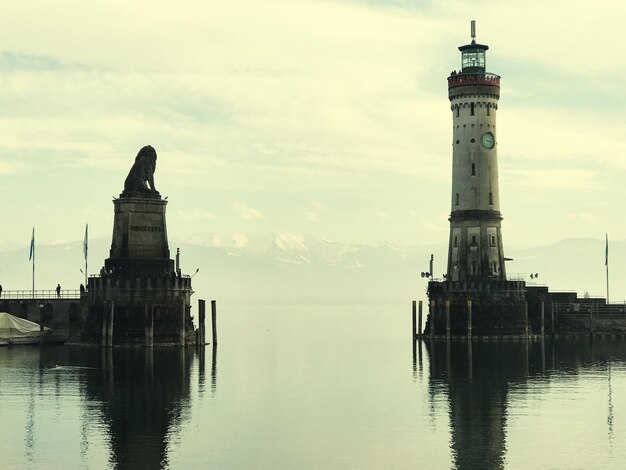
(50, 294)
(462, 79)
(596, 308)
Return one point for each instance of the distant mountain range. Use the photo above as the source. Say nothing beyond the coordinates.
(297, 268)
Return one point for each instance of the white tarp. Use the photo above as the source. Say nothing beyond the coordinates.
(12, 327)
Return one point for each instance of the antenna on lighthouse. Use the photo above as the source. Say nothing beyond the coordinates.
(473, 23)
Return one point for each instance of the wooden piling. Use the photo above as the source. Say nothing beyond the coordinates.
(543, 318)
(433, 311)
(526, 318)
(182, 323)
(201, 319)
(552, 319)
(149, 324)
(591, 320)
(105, 316)
(214, 321)
(447, 304)
(414, 319)
(419, 320)
(469, 320)
(110, 326)
(42, 338)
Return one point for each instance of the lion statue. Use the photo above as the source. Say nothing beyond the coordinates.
(142, 172)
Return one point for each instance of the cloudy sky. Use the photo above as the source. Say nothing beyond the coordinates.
(328, 118)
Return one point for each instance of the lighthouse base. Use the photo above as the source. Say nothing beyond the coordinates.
(481, 308)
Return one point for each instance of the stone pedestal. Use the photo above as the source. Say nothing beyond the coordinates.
(139, 247)
(152, 301)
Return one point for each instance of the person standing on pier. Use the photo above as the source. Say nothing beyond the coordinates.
(58, 291)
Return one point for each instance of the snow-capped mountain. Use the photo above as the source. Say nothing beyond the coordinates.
(288, 267)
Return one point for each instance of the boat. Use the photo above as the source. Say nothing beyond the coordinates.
(16, 330)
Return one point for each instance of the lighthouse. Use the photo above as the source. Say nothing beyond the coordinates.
(475, 296)
(475, 247)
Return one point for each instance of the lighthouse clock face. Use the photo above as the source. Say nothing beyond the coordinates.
(488, 140)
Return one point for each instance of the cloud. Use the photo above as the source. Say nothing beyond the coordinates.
(582, 216)
(240, 240)
(313, 211)
(341, 98)
(246, 212)
(571, 179)
(195, 215)
(433, 227)
(11, 168)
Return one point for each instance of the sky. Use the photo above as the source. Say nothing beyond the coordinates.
(328, 118)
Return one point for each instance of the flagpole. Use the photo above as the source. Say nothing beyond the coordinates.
(33, 253)
(607, 268)
(86, 250)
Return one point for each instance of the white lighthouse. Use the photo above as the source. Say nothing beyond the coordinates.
(475, 248)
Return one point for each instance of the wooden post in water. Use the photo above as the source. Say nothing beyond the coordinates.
(552, 319)
(419, 321)
(447, 304)
(201, 319)
(433, 312)
(104, 325)
(146, 324)
(526, 318)
(543, 318)
(413, 319)
(591, 321)
(182, 322)
(149, 324)
(42, 340)
(110, 328)
(469, 320)
(214, 321)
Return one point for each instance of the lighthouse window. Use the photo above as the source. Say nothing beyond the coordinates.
(457, 111)
(488, 109)
(474, 240)
(456, 199)
(473, 169)
(495, 268)
(472, 109)
(456, 241)
(493, 240)
(491, 199)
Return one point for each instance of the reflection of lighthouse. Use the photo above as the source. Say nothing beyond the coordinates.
(477, 382)
(475, 249)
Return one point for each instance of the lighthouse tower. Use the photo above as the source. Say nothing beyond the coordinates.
(475, 247)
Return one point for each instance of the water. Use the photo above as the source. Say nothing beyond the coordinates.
(314, 387)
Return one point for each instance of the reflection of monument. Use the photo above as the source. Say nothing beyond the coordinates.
(140, 296)
(142, 395)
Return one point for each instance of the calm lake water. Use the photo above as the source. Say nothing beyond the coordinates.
(316, 387)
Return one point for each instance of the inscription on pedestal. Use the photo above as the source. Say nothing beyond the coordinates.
(145, 228)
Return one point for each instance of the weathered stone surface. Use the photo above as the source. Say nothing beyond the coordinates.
(139, 247)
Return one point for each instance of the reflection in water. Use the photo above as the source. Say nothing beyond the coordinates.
(141, 397)
(477, 378)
